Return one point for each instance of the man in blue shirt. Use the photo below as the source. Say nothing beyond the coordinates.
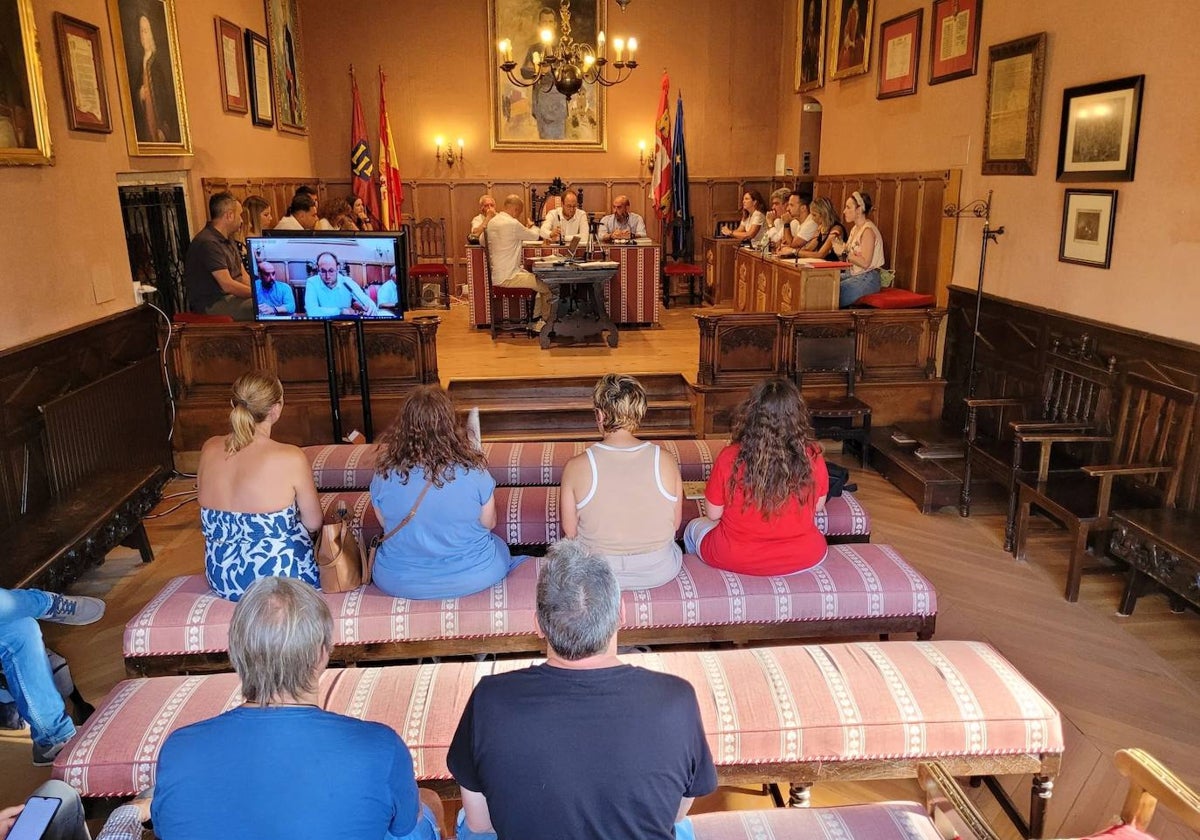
(273, 298)
(279, 766)
(331, 293)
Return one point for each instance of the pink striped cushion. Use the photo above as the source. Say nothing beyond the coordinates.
(348, 467)
(854, 581)
(878, 821)
(530, 515)
(818, 703)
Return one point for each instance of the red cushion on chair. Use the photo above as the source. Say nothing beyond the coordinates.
(896, 299)
(683, 268)
(429, 268)
(200, 318)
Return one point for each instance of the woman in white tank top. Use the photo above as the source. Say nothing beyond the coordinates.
(623, 497)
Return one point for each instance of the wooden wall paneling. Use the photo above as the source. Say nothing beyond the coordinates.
(737, 350)
(926, 274)
(905, 238)
(725, 201)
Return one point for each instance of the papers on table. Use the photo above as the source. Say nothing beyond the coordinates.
(599, 264)
(552, 259)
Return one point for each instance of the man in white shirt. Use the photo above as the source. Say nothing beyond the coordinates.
(803, 225)
(777, 220)
(563, 223)
(621, 224)
(332, 293)
(487, 209)
(505, 236)
(301, 215)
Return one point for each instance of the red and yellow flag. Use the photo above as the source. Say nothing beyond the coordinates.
(661, 193)
(391, 188)
(362, 171)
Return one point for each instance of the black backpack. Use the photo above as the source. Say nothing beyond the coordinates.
(839, 478)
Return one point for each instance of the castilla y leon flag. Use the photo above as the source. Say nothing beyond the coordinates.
(362, 170)
(662, 156)
(391, 188)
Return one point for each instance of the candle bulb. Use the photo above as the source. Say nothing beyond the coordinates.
(588, 61)
(619, 45)
(439, 141)
(632, 47)
(460, 146)
(547, 37)
(536, 59)
(600, 43)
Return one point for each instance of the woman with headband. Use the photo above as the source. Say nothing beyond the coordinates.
(863, 250)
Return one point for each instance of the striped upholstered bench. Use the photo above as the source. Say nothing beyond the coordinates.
(859, 590)
(798, 714)
(529, 511)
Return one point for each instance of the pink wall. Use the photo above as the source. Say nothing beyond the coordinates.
(436, 55)
(1152, 284)
(60, 226)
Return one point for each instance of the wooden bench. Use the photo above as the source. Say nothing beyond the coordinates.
(800, 714)
(53, 546)
(858, 590)
(1162, 548)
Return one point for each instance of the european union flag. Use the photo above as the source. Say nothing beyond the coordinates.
(679, 185)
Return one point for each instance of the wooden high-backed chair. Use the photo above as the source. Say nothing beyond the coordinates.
(678, 268)
(1154, 424)
(1076, 396)
(429, 246)
(827, 352)
(500, 296)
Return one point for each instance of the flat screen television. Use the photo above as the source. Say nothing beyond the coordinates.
(328, 275)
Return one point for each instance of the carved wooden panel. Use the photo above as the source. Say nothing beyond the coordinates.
(737, 349)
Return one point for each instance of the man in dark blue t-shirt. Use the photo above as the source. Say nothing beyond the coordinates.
(279, 766)
(582, 746)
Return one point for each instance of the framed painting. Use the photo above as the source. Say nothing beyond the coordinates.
(850, 31)
(24, 119)
(954, 39)
(1013, 118)
(149, 77)
(81, 60)
(231, 66)
(900, 55)
(1098, 137)
(810, 44)
(530, 113)
(287, 68)
(1089, 217)
(262, 92)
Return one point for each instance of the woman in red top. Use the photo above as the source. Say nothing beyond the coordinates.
(765, 490)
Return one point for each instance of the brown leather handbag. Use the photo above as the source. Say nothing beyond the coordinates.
(339, 557)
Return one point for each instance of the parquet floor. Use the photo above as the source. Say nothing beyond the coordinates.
(1117, 681)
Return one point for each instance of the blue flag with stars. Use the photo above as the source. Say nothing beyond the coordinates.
(679, 186)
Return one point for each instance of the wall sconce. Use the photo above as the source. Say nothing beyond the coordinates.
(644, 162)
(448, 155)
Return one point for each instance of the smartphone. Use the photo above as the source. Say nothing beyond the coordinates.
(35, 818)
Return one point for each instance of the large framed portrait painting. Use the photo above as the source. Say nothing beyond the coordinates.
(850, 30)
(537, 116)
(810, 45)
(24, 120)
(150, 77)
(287, 68)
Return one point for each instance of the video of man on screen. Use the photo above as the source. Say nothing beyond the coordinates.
(345, 278)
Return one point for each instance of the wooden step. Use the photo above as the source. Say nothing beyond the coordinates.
(931, 483)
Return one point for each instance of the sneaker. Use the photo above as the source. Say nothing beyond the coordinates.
(74, 609)
(10, 718)
(44, 756)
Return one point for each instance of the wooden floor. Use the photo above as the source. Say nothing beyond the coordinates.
(1117, 681)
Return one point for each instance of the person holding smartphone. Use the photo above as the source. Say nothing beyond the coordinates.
(55, 812)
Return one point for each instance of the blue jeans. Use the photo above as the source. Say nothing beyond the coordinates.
(854, 286)
(427, 828)
(26, 668)
(683, 830)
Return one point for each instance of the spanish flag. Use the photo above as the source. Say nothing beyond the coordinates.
(391, 188)
(661, 193)
(362, 170)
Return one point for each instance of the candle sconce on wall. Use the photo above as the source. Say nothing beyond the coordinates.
(449, 155)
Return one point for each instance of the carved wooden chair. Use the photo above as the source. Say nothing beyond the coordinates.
(1154, 424)
(1076, 396)
(502, 299)
(538, 199)
(429, 276)
(827, 353)
(680, 275)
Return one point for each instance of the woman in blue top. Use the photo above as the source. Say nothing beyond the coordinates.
(447, 549)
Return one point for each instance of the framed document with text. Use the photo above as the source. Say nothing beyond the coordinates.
(258, 65)
(1013, 119)
(80, 57)
(900, 55)
(954, 39)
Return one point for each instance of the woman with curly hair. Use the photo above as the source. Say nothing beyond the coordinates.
(765, 490)
(430, 473)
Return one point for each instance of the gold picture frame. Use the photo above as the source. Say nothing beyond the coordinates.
(153, 103)
(851, 28)
(1013, 119)
(810, 44)
(520, 121)
(287, 66)
(24, 118)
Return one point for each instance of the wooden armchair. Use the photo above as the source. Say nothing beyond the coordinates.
(1076, 396)
(826, 354)
(1154, 424)
(429, 277)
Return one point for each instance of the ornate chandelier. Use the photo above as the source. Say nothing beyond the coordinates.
(566, 65)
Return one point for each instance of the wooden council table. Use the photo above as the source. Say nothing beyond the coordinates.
(581, 291)
(770, 284)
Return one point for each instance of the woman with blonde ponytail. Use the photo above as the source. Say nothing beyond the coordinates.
(258, 503)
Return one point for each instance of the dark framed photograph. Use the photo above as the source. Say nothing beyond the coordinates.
(810, 44)
(954, 39)
(262, 93)
(24, 118)
(850, 31)
(900, 55)
(1098, 137)
(150, 77)
(231, 66)
(287, 66)
(1089, 217)
(80, 58)
(1012, 123)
